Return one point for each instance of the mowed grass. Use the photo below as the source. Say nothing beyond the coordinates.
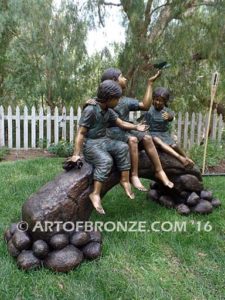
(134, 265)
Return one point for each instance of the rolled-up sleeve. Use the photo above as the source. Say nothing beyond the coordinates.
(87, 117)
(133, 104)
(112, 116)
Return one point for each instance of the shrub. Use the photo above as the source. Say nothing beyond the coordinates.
(42, 143)
(62, 149)
(3, 152)
(215, 153)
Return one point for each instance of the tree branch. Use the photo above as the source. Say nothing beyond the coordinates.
(100, 16)
(192, 5)
(167, 14)
(148, 14)
(126, 5)
(112, 4)
(158, 7)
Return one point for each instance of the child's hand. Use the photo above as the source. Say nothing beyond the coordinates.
(166, 116)
(91, 101)
(142, 127)
(153, 78)
(75, 158)
(72, 162)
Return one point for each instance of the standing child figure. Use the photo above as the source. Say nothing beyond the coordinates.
(158, 118)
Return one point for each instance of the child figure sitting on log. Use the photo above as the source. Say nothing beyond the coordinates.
(98, 149)
(158, 118)
(133, 137)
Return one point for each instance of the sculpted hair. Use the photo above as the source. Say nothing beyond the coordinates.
(111, 74)
(108, 90)
(162, 92)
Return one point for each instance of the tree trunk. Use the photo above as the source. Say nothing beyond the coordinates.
(66, 198)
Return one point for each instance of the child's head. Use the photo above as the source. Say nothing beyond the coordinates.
(116, 75)
(161, 96)
(109, 93)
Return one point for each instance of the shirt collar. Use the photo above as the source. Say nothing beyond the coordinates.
(101, 110)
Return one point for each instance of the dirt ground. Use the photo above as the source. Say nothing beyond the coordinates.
(27, 154)
(33, 153)
(218, 169)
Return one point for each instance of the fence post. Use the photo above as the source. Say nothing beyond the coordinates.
(41, 125)
(10, 136)
(179, 126)
(192, 130)
(214, 125)
(131, 116)
(56, 126)
(25, 128)
(33, 128)
(48, 126)
(71, 125)
(64, 123)
(220, 128)
(138, 114)
(2, 127)
(186, 123)
(199, 133)
(17, 128)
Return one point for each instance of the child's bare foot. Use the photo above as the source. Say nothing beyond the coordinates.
(127, 187)
(96, 201)
(185, 161)
(137, 183)
(190, 161)
(161, 175)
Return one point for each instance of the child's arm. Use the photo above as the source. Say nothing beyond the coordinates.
(147, 101)
(129, 126)
(79, 141)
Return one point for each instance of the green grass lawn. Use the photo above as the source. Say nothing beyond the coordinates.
(134, 265)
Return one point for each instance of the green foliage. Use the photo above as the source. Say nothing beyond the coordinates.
(62, 149)
(193, 47)
(215, 153)
(42, 143)
(8, 26)
(191, 41)
(43, 57)
(3, 152)
(47, 57)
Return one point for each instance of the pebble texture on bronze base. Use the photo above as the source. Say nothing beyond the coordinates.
(62, 253)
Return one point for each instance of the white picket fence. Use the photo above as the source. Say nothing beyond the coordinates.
(23, 130)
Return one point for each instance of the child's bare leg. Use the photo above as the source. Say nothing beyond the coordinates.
(178, 150)
(95, 197)
(182, 153)
(168, 149)
(153, 156)
(133, 148)
(124, 181)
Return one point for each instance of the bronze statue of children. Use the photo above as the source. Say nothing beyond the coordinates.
(98, 149)
(133, 137)
(158, 118)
